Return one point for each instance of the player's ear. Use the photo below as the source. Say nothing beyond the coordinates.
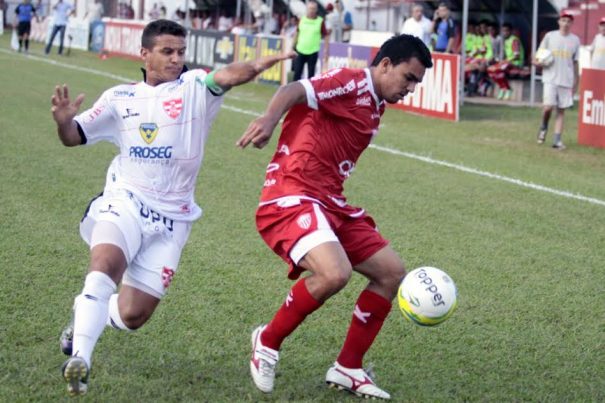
(144, 52)
(384, 64)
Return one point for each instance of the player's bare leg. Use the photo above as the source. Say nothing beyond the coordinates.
(331, 271)
(546, 112)
(385, 270)
(559, 119)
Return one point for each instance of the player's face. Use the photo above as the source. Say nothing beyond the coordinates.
(396, 81)
(505, 32)
(417, 13)
(565, 24)
(164, 62)
(602, 28)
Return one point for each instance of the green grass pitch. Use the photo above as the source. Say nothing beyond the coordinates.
(529, 264)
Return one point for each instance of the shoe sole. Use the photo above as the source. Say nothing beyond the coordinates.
(73, 374)
(333, 385)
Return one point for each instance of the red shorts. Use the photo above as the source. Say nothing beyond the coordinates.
(293, 226)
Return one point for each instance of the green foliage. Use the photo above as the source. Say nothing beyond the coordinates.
(530, 324)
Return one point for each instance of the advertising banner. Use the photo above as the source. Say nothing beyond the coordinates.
(123, 37)
(591, 115)
(209, 49)
(271, 45)
(246, 48)
(437, 95)
(39, 29)
(344, 55)
(97, 36)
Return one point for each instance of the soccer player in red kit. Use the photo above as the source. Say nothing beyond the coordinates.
(304, 217)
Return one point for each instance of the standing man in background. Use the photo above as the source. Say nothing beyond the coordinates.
(418, 25)
(61, 15)
(560, 78)
(307, 41)
(95, 11)
(25, 11)
(597, 48)
(445, 29)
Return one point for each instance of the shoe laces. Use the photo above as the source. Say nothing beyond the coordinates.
(266, 368)
(369, 370)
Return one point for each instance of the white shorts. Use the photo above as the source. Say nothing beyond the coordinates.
(555, 95)
(153, 243)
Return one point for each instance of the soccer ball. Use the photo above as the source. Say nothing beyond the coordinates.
(545, 57)
(427, 296)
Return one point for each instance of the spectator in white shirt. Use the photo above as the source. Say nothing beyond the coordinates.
(418, 25)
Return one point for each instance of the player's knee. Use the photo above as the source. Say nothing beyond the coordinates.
(134, 318)
(392, 275)
(337, 278)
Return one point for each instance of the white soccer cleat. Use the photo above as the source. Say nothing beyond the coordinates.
(356, 381)
(263, 362)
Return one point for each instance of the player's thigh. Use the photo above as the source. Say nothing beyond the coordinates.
(115, 220)
(153, 268)
(294, 228)
(384, 267)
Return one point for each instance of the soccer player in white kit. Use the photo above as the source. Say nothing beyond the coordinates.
(138, 226)
(560, 79)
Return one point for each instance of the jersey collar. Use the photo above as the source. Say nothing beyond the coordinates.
(371, 85)
(185, 69)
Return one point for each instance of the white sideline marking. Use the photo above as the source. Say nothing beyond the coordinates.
(490, 175)
(458, 167)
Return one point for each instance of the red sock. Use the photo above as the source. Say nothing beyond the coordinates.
(370, 312)
(299, 303)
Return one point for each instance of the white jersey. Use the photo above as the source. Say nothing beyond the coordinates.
(161, 132)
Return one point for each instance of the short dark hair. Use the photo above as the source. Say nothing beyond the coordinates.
(508, 25)
(401, 48)
(160, 27)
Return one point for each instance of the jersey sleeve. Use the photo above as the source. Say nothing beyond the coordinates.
(331, 92)
(212, 93)
(98, 123)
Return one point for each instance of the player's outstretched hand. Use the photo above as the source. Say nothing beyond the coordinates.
(258, 133)
(62, 108)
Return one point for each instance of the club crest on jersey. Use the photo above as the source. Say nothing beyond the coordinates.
(173, 107)
(149, 132)
(304, 221)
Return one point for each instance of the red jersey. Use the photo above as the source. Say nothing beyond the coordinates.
(321, 140)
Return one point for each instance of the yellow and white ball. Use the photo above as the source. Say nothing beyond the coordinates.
(427, 296)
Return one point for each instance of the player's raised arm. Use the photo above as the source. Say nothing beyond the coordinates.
(260, 130)
(64, 111)
(242, 72)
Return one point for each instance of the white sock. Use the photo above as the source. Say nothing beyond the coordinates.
(91, 311)
(114, 320)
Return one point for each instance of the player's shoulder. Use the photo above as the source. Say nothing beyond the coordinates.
(121, 91)
(342, 74)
